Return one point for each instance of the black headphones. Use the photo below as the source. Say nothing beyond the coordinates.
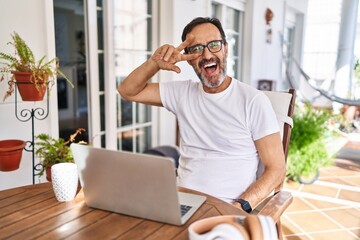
(230, 227)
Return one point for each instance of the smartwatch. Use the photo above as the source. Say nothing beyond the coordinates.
(245, 205)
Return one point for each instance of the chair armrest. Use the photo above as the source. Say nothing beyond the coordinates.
(276, 205)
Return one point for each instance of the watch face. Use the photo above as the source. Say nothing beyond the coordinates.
(246, 206)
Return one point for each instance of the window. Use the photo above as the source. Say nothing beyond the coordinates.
(120, 37)
(133, 35)
(231, 18)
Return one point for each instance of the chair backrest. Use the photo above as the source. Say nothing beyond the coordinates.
(283, 105)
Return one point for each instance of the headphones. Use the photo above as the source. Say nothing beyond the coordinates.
(230, 227)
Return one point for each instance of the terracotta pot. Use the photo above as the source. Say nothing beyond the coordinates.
(48, 172)
(10, 154)
(28, 91)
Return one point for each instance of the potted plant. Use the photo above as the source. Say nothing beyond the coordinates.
(52, 151)
(10, 154)
(307, 148)
(32, 77)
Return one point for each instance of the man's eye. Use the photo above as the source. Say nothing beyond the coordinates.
(214, 44)
(196, 49)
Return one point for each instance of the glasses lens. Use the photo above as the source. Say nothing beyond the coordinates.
(214, 46)
(196, 49)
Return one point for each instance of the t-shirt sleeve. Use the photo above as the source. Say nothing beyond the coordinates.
(262, 118)
(170, 94)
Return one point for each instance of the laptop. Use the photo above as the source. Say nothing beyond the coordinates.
(134, 184)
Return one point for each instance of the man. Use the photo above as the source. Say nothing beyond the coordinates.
(225, 126)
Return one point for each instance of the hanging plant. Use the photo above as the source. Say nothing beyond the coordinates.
(27, 72)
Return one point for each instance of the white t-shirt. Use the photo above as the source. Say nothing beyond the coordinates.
(217, 133)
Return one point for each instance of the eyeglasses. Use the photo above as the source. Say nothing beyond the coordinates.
(213, 46)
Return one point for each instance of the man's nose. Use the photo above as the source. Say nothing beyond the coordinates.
(206, 53)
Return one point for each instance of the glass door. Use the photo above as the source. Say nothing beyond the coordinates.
(120, 36)
(69, 22)
(133, 40)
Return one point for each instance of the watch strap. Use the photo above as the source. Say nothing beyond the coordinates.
(245, 205)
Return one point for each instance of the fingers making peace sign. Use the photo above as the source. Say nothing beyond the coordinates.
(167, 55)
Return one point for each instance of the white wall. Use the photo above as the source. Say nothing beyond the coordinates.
(265, 58)
(33, 20)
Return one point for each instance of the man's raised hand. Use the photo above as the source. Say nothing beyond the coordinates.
(167, 55)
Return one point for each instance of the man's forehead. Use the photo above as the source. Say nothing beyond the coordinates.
(205, 32)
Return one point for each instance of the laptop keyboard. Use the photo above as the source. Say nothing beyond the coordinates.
(184, 209)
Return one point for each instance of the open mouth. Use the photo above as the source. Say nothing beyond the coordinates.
(210, 68)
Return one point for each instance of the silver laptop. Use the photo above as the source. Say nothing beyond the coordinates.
(134, 184)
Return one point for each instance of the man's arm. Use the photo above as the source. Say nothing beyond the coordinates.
(273, 159)
(136, 87)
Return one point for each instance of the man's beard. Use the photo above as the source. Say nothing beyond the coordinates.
(221, 77)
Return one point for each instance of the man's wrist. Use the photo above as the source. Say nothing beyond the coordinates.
(153, 64)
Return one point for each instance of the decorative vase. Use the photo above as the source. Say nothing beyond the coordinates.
(27, 89)
(65, 181)
(10, 154)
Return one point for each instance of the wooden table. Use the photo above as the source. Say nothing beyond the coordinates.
(33, 212)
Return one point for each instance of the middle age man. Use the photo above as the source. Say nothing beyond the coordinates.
(226, 127)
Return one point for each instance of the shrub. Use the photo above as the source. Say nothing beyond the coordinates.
(307, 151)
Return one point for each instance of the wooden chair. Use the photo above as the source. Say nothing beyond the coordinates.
(275, 205)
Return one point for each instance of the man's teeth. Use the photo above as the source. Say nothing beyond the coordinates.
(210, 65)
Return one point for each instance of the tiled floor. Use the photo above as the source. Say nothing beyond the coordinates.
(330, 207)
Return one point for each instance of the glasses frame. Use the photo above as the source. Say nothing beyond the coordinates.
(206, 46)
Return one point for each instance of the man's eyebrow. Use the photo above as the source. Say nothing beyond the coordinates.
(196, 44)
(205, 43)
